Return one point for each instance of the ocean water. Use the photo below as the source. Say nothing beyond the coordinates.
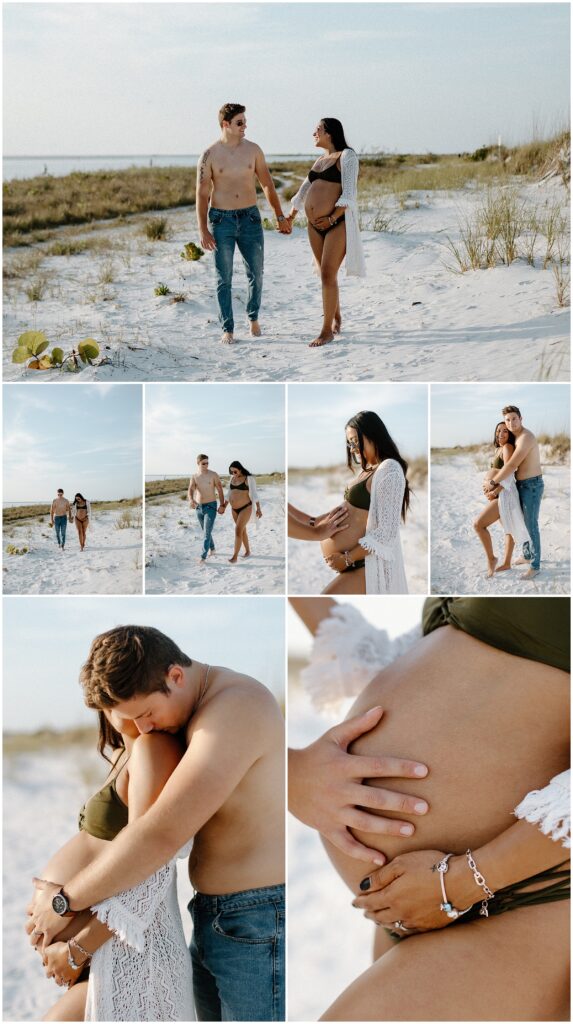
(30, 166)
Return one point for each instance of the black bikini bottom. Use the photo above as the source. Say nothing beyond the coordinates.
(357, 565)
(237, 510)
(512, 898)
(324, 231)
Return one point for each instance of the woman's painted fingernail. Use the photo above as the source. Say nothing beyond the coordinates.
(379, 861)
(420, 770)
(365, 884)
(421, 807)
(406, 830)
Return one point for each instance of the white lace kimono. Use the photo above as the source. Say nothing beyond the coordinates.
(348, 652)
(349, 166)
(142, 973)
(385, 564)
(510, 512)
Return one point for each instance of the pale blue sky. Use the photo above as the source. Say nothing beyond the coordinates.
(47, 640)
(87, 438)
(225, 421)
(318, 413)
(149, 78)
(396, 617)
(468, 413)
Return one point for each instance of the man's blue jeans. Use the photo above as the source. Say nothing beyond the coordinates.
(206, 514)
(242, 228)
(530, 495)
(60, 523)
(238, 955)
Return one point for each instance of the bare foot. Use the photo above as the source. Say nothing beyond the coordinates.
(247, 554)
(503, 567)
(233, 560)
(530, 574)
(200, 561)
(323, 339)
(254, 329)
(491, 569)
(337, 324)
(211, 552)
(227, 338)
(522, 561)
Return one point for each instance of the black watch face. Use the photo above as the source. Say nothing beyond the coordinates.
(60, 904)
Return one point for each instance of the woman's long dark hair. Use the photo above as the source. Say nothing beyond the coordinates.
(511, 437)
(242, 470)
(334, 128)
(369, 425)
(78, 495)
(108, 737)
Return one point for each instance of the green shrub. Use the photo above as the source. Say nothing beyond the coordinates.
(162, 289)
(192, 252)
(157, 229)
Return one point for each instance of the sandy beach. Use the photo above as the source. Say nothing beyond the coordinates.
(173, 543)
(458, 563)
(111, 562)
(43, 792)
(309, 574)
(413, 318)
(329, 940)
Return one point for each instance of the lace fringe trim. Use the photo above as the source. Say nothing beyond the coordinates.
(549, 808)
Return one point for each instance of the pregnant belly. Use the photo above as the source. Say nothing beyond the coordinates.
(321, 199)
(489, 726)
(239, 501)
(349, 537)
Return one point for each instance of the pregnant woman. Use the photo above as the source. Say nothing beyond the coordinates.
(242, 495)
(330, 200)
(367, 555)
(503, 504)
(128, 960)
(81, 512)
(473, 903)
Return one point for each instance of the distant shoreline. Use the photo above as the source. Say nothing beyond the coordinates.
(32, 510)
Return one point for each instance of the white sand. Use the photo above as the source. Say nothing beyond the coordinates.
(458, 562)
(173, 543)
(329, 941)
(111, 562)
(308, 573)
(43, 793)
(502, 324)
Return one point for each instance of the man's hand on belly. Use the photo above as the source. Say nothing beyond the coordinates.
(326, 789)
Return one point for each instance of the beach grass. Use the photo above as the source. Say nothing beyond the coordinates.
(417, 471)
(48, 739)
(18, 512)
(180, 484)
(557, 449)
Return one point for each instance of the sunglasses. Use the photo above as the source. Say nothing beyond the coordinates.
(241, 124)
(353, 445)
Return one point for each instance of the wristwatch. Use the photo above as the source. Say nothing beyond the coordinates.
(61, 905)
(281, 218)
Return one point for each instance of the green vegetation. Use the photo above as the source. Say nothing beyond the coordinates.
(19, 512)
(48, 739)
(11, 549)
(35, 204)
(557, 449)
(192, 252)
(31, 350)
(129, 520)
(180, 484)
(162, 289)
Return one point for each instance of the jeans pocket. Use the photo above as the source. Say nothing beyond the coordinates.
(255, 217)
(215, 217)
(252, 925)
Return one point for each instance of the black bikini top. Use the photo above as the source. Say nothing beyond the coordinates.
(240, 487)
(331, 173)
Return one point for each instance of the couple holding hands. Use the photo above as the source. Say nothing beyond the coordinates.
(242, 495)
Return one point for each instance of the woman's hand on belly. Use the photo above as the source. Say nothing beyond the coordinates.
(409, 891)
(336, 800)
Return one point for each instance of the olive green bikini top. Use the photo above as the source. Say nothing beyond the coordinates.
(536, 628)
(358, 495)
(497, 462)
(104, 814)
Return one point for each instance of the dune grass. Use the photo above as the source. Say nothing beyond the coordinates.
(48, 739)
(557, 449)
(18, 512)
(180, 484)
(417, 471)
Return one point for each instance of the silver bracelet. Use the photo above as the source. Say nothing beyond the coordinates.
(71, 960)
(448, 908)
(349, 564)
(480, 880)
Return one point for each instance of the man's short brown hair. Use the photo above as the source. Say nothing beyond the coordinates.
(201, 457)
(230, 110)
(510, 408)
(126, 662)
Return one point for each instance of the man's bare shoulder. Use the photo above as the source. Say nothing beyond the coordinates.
(526, 437)
(239, 699)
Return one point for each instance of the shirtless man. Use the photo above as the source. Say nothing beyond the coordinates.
(60, 514)
(227, 213)
(204, 483)
(226, 793)
(526, 464)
